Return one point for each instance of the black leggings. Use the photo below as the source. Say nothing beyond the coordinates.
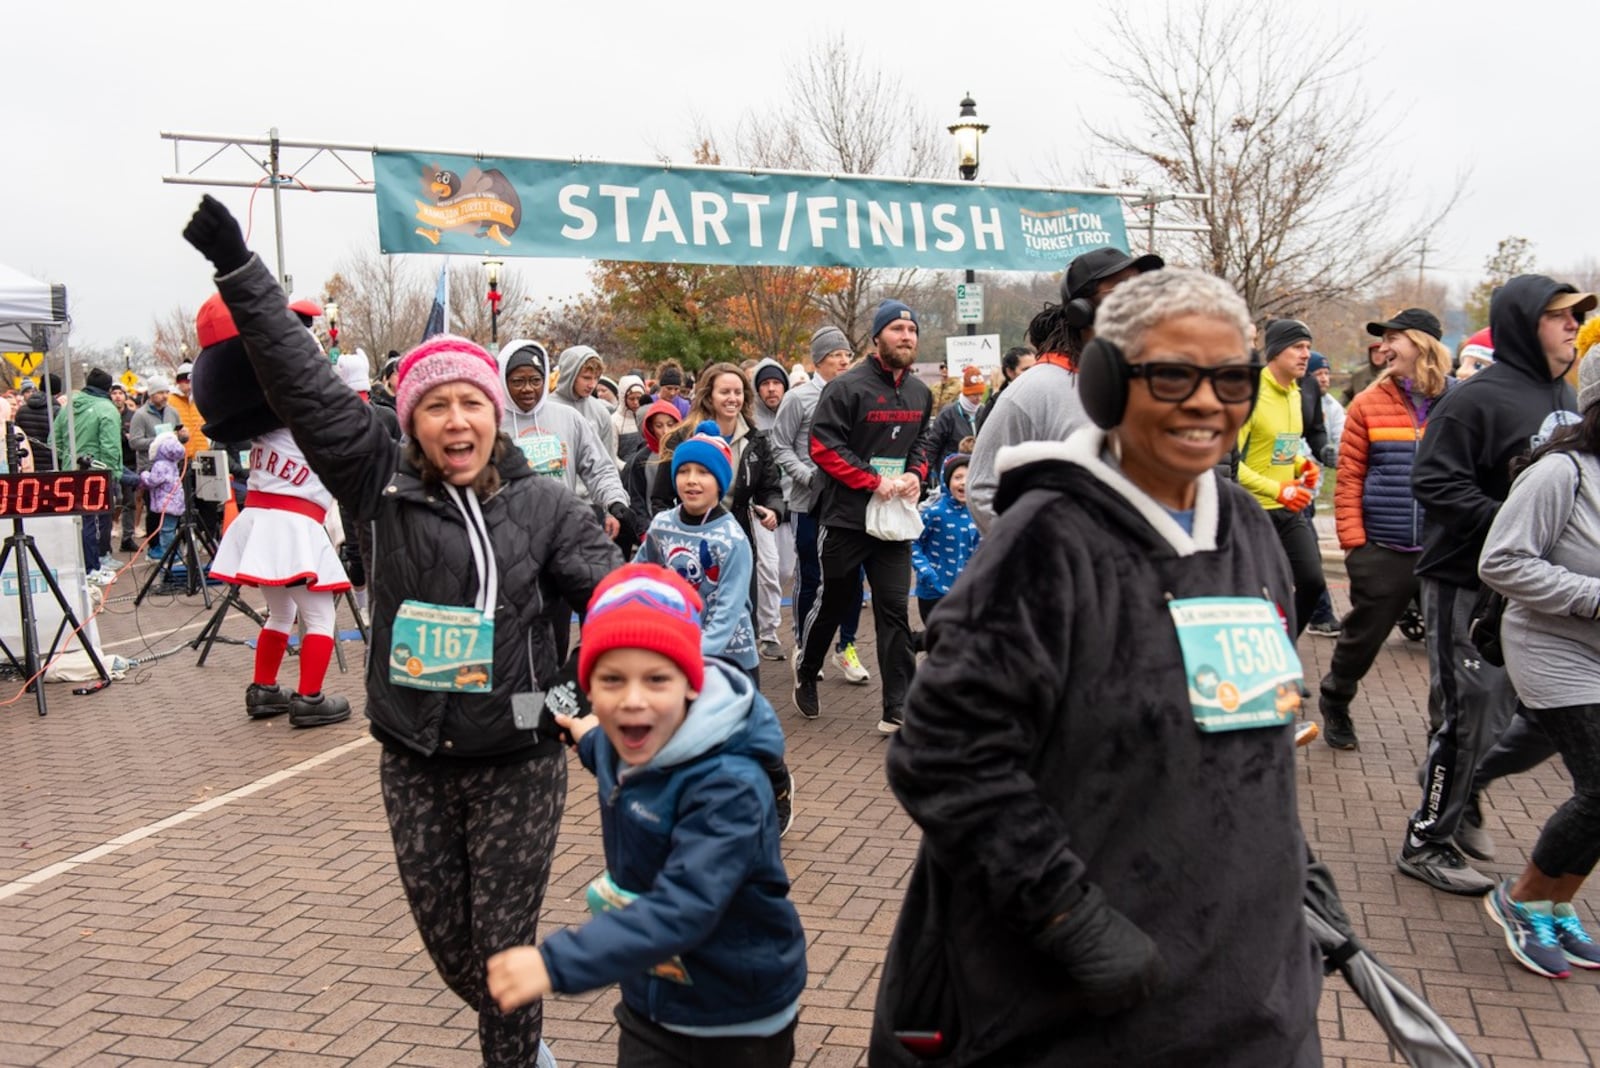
(1570, 841)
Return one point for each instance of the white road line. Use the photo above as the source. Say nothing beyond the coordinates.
(27, 882)
(147, 638)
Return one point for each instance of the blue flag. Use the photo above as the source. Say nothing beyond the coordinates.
(439, 314)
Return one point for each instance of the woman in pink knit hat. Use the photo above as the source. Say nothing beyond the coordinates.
(465, 539)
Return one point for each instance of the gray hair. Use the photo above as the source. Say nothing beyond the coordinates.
(1134, 307)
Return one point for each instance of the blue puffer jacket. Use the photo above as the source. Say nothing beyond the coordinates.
(712, 939)
(949, 538)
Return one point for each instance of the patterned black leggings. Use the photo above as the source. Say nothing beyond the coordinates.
(474, 847)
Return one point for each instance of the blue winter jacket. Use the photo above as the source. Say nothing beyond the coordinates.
(712, 940)
(949, 538)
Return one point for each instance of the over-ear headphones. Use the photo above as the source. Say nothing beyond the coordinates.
(1079, 313)
(1103, 381)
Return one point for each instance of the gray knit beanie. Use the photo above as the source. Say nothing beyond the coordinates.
(828, 339)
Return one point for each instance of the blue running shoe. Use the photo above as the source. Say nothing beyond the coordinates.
(1575, 941)
(1530, 928)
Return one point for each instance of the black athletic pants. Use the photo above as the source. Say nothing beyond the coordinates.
(1299, 540)
(1382, 583)
(1475, 701)
(643, 1044)
(888, 566)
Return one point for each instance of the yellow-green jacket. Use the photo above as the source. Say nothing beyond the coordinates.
(1269, 442)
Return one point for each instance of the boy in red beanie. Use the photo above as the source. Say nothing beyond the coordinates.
(692, 915)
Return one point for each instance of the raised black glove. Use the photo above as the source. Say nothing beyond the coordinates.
(215, 232)
(1113, 963)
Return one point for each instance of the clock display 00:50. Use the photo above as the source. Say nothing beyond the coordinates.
(54, 493)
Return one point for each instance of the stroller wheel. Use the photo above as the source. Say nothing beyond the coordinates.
(1410, 622)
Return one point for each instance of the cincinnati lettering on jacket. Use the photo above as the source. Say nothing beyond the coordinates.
(894, 415)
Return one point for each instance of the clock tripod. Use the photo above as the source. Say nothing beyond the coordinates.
(20, 549)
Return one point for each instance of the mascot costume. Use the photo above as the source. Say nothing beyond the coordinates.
(278, 544)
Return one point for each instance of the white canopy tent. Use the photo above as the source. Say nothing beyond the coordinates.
(26, 304)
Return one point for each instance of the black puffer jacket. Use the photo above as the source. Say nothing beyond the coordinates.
(545, 540)
(36, 421)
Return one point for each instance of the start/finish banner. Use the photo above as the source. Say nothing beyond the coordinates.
(468, 205)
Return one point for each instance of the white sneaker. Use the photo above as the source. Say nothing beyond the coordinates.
(850, 663)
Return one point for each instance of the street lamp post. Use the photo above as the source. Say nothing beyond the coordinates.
(330, 312)
(968, 132)
(127, 357)
(492, 269)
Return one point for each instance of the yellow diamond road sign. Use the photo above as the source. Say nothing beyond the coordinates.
(129, 380)
(25, 362)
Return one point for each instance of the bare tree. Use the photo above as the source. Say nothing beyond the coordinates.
(173, 339)
(383, 302)
(844, 115)
(1585, 274)
(1258, 107)
(469, 301)
(587, 319)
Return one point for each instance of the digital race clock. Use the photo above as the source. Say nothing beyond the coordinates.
(54, 493)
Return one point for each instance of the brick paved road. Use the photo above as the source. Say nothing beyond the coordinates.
(262, 922)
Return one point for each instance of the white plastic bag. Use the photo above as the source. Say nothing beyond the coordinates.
(895, 519)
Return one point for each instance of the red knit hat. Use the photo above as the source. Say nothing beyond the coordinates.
(441, 359)
(644, 606)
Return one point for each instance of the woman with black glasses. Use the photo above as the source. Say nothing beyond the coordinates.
(1099, 748)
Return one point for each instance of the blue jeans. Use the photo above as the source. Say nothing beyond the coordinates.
(91, 538)
(169, 530)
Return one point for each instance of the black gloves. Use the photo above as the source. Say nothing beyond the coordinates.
(628, 532)
(1330, 455)
(215, 232)
(1114, 964)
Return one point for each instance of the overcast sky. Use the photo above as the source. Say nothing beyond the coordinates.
(1498, 92)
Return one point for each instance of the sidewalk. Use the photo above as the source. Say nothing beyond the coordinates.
(181, 885)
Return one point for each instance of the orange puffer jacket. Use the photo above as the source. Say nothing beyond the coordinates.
(1372, 500)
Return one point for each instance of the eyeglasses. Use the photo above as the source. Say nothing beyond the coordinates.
(520, 384)
(1174, 383)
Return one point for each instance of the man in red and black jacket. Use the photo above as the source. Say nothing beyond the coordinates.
(870, 436)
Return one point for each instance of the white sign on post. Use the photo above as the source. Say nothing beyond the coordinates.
(969, 303)
(962, 350)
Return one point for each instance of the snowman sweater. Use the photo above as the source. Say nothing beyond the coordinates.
(712, 555)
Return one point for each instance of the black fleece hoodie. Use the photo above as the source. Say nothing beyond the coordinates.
(1049, 742)
(1463, 466)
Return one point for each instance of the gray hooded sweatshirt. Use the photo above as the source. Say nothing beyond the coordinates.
(592, 408)
(1543, 555)
(557, 441)
(1041, 405)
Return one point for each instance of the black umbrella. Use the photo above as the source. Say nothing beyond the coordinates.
(1422, 1038)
